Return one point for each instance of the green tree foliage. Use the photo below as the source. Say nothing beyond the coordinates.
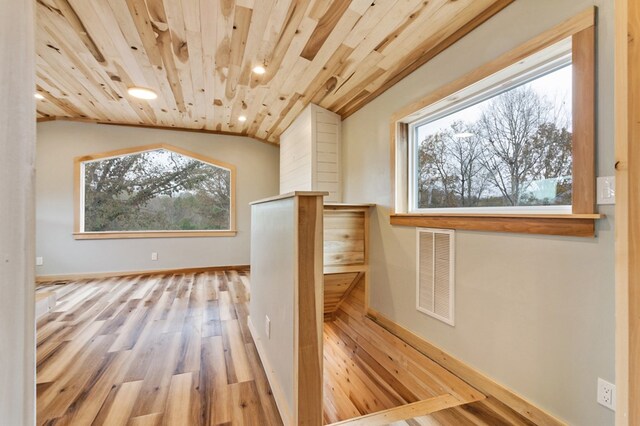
(155, 190)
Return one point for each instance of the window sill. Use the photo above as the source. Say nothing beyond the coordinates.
(575, 225)
(151, 234)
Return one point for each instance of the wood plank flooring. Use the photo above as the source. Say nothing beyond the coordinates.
(176, 350)
(371, 373)
(151, 350)
(368, 370)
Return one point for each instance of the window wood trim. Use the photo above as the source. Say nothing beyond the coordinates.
(77, 172)
(583, 143)
(150, 234)
(581, 222)
(569, 225)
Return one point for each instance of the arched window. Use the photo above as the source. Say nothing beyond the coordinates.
(153, 191)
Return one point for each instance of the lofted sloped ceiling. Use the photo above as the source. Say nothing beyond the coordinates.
(198, 55)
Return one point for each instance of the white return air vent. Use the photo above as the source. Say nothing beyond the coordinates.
(435, 260)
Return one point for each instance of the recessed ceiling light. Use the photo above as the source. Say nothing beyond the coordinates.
(38, 96)
(242, 119)
(142, 93)
(259, 69)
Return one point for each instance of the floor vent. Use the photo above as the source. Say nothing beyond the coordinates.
(435, 277)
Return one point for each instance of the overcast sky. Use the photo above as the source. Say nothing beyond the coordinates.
(555, 86)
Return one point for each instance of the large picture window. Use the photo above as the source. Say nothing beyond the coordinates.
(509, 151)
(508, 147)
(153, 191)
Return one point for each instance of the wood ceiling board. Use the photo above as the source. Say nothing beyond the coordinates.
(393, 59)
(424, 55)
(198, 56)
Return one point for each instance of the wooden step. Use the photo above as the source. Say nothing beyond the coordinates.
(404, 412)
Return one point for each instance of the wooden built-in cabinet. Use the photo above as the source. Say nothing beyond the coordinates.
(346, 254)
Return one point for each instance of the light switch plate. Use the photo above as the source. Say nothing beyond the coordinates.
(39, 261)
(154, 256)
(606, 189)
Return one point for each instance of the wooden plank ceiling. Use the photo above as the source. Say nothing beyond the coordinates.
(198, 56)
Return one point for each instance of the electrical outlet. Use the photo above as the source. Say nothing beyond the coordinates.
(154, 256)
(606, 394)
(267, 326)
(39, 261)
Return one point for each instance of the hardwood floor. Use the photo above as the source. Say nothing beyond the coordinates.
(151, 350)
(176, 350)
(369, 372)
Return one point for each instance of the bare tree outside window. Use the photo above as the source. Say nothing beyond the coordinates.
(153, 191)
(513, 149)
(451, 167)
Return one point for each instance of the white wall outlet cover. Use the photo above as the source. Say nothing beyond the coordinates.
(606, 394)
(606, 190)
(39, 261)
(154, 256)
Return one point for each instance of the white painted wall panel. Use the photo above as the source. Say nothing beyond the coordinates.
(310, 154)
(296, 155)
(328, 135)
(272, 293)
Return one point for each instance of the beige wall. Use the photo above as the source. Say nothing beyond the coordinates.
(273, 281)
(535, 313)
(17, 157)
(57, 145)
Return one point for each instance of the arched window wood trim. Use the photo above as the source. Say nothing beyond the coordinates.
(80, 234)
